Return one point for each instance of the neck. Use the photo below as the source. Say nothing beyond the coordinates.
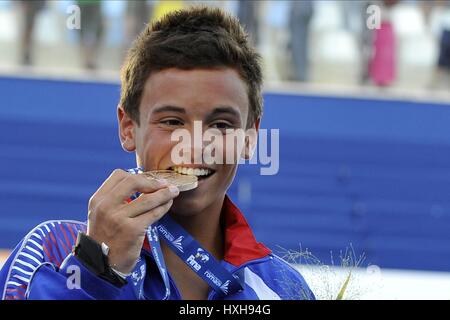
(205, 227)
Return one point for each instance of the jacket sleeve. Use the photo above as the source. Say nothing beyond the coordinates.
(288, 282)
(43, 267)
(18, 281)
(11, 288)
(72, 281)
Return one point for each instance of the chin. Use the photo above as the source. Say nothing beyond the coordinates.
(191, 202)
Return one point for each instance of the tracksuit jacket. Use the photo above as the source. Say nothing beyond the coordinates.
(42, 266)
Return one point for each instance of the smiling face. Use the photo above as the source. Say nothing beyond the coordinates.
(173, 99)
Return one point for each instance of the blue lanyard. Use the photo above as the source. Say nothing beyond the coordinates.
(197, 258)
(155, 245)
(153, 239)
(191, 252)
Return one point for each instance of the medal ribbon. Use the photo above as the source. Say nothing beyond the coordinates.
(204, 264)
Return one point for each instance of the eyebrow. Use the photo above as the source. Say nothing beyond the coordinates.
(169, 109)
(224, 109)
(219, 110)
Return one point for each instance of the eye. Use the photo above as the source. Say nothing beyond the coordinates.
(221, 125)
(171, 122)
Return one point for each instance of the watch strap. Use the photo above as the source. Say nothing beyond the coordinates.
(89, 252)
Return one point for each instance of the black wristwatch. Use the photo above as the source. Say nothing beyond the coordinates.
(89, 252)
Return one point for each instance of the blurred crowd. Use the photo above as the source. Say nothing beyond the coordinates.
(297, 39)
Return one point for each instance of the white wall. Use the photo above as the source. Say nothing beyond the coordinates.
(374, 283)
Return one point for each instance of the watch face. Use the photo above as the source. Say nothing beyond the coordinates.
(105, 249)
(182, 181)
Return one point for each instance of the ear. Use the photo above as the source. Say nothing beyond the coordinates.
(126, 130)
(251, 138)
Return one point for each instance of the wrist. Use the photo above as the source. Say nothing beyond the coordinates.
(120, 274)
(92, 255)
(114, 268)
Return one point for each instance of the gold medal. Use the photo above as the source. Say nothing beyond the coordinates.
(182, 181)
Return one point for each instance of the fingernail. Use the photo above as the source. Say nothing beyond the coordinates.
(174, 189)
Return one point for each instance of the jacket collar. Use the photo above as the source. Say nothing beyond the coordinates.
(240, 244)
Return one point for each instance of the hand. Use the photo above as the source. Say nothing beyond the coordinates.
(122, 225)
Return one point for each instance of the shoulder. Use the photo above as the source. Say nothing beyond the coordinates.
(280, 277)
(48, 243)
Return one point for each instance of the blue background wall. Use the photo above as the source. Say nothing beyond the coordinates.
(371, 173)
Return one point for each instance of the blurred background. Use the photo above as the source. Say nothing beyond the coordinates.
(359, 91)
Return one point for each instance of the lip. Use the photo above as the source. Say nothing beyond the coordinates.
(204, 179)
(200, 179)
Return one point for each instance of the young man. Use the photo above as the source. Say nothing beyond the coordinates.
(193, 65)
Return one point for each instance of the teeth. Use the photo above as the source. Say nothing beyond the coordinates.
(192, 171)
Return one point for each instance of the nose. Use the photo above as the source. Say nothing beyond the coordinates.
(188, 148)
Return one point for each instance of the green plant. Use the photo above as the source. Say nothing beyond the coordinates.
(328, 282)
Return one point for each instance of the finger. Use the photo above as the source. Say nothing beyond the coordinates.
(150, 217)
(132, 184)
(114, 178)
(150, 201)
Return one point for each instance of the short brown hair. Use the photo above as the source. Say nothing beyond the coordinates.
(196, 37)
